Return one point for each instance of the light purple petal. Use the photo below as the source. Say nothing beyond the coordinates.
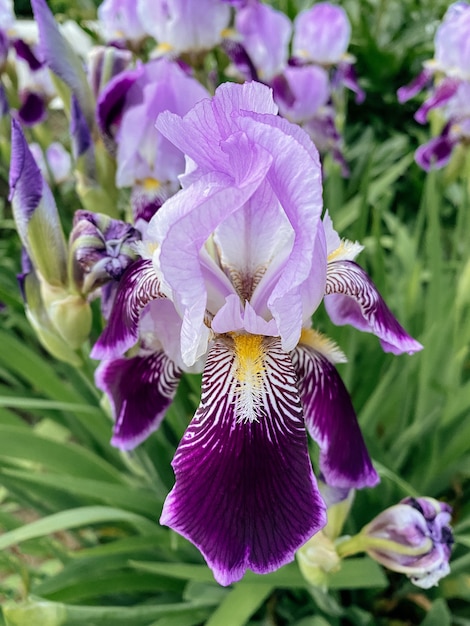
(441, 96)
(352, 298)
(331, 421)
(138, 286)
(185, 25)
(452, 43)
(301, 91)
(119, 20)
(61, 58)
(140, 390)
(265, 36)
(321, 34)
(245, 492)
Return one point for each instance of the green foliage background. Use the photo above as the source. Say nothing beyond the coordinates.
(81, 542)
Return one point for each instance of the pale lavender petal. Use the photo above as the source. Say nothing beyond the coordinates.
(332, 422)
(185, 25)
(245, 492)
(441, 96)
(140, 390)
(452, 43)
(322, 33)
(265, 36)
(59, 161)
(409, 91)
(436, 153)
(138, 286)
(352, 298)
(119, 20)
(61, 58)
(301, 91)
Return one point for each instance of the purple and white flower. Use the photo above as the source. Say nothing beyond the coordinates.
(232, 269)
(447, 78)
(413, 538)
(119, 20)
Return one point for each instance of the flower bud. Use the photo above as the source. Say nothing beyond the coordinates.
(317, 559)
(414, 538)
(100, 249)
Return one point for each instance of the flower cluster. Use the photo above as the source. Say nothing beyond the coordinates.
(223, 260)
(447, 77)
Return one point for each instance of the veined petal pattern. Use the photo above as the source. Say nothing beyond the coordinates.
(245, 492)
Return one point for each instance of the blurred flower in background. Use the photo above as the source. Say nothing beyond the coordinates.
(447, 80)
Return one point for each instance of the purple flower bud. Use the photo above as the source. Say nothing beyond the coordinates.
(100, 249)
(414, 538)
(321, 34)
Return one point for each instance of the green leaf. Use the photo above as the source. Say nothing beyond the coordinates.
(68, 458)
(74, 518)
(439, 615)
(240, 604)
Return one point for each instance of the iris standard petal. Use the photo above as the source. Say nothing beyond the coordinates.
(352, 298)
(332, 422)
(138, 286)
(245, 492)
(140, 390)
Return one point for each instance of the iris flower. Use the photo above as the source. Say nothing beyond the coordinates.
(233, 266)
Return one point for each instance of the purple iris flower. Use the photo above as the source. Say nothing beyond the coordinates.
(184, 25)
(127, 109)
(321, 34)
(414, 538)
(447, 78)
(232, 269)
(264, 34)
(119, 19)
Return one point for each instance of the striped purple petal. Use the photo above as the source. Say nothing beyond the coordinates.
(138, 286)
(332, 422)
(245, 492)
(352, 298)
(140, 390)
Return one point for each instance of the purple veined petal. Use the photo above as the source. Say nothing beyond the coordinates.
(436, 153)
(441, 96)
(299, 287)
(33, 108)
(61, 58)
(210, 122)
(352, 298)
(418, 84)
(140, 390)
(112, 101)
(245, 493)
(331, 421)
(138, 286)
(182, 229)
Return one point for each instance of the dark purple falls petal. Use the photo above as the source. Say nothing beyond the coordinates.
(436, 153)
(245, 493)
(138, 286)
(140, 390)
(33, 108)
(352, 298)
(332, 422)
